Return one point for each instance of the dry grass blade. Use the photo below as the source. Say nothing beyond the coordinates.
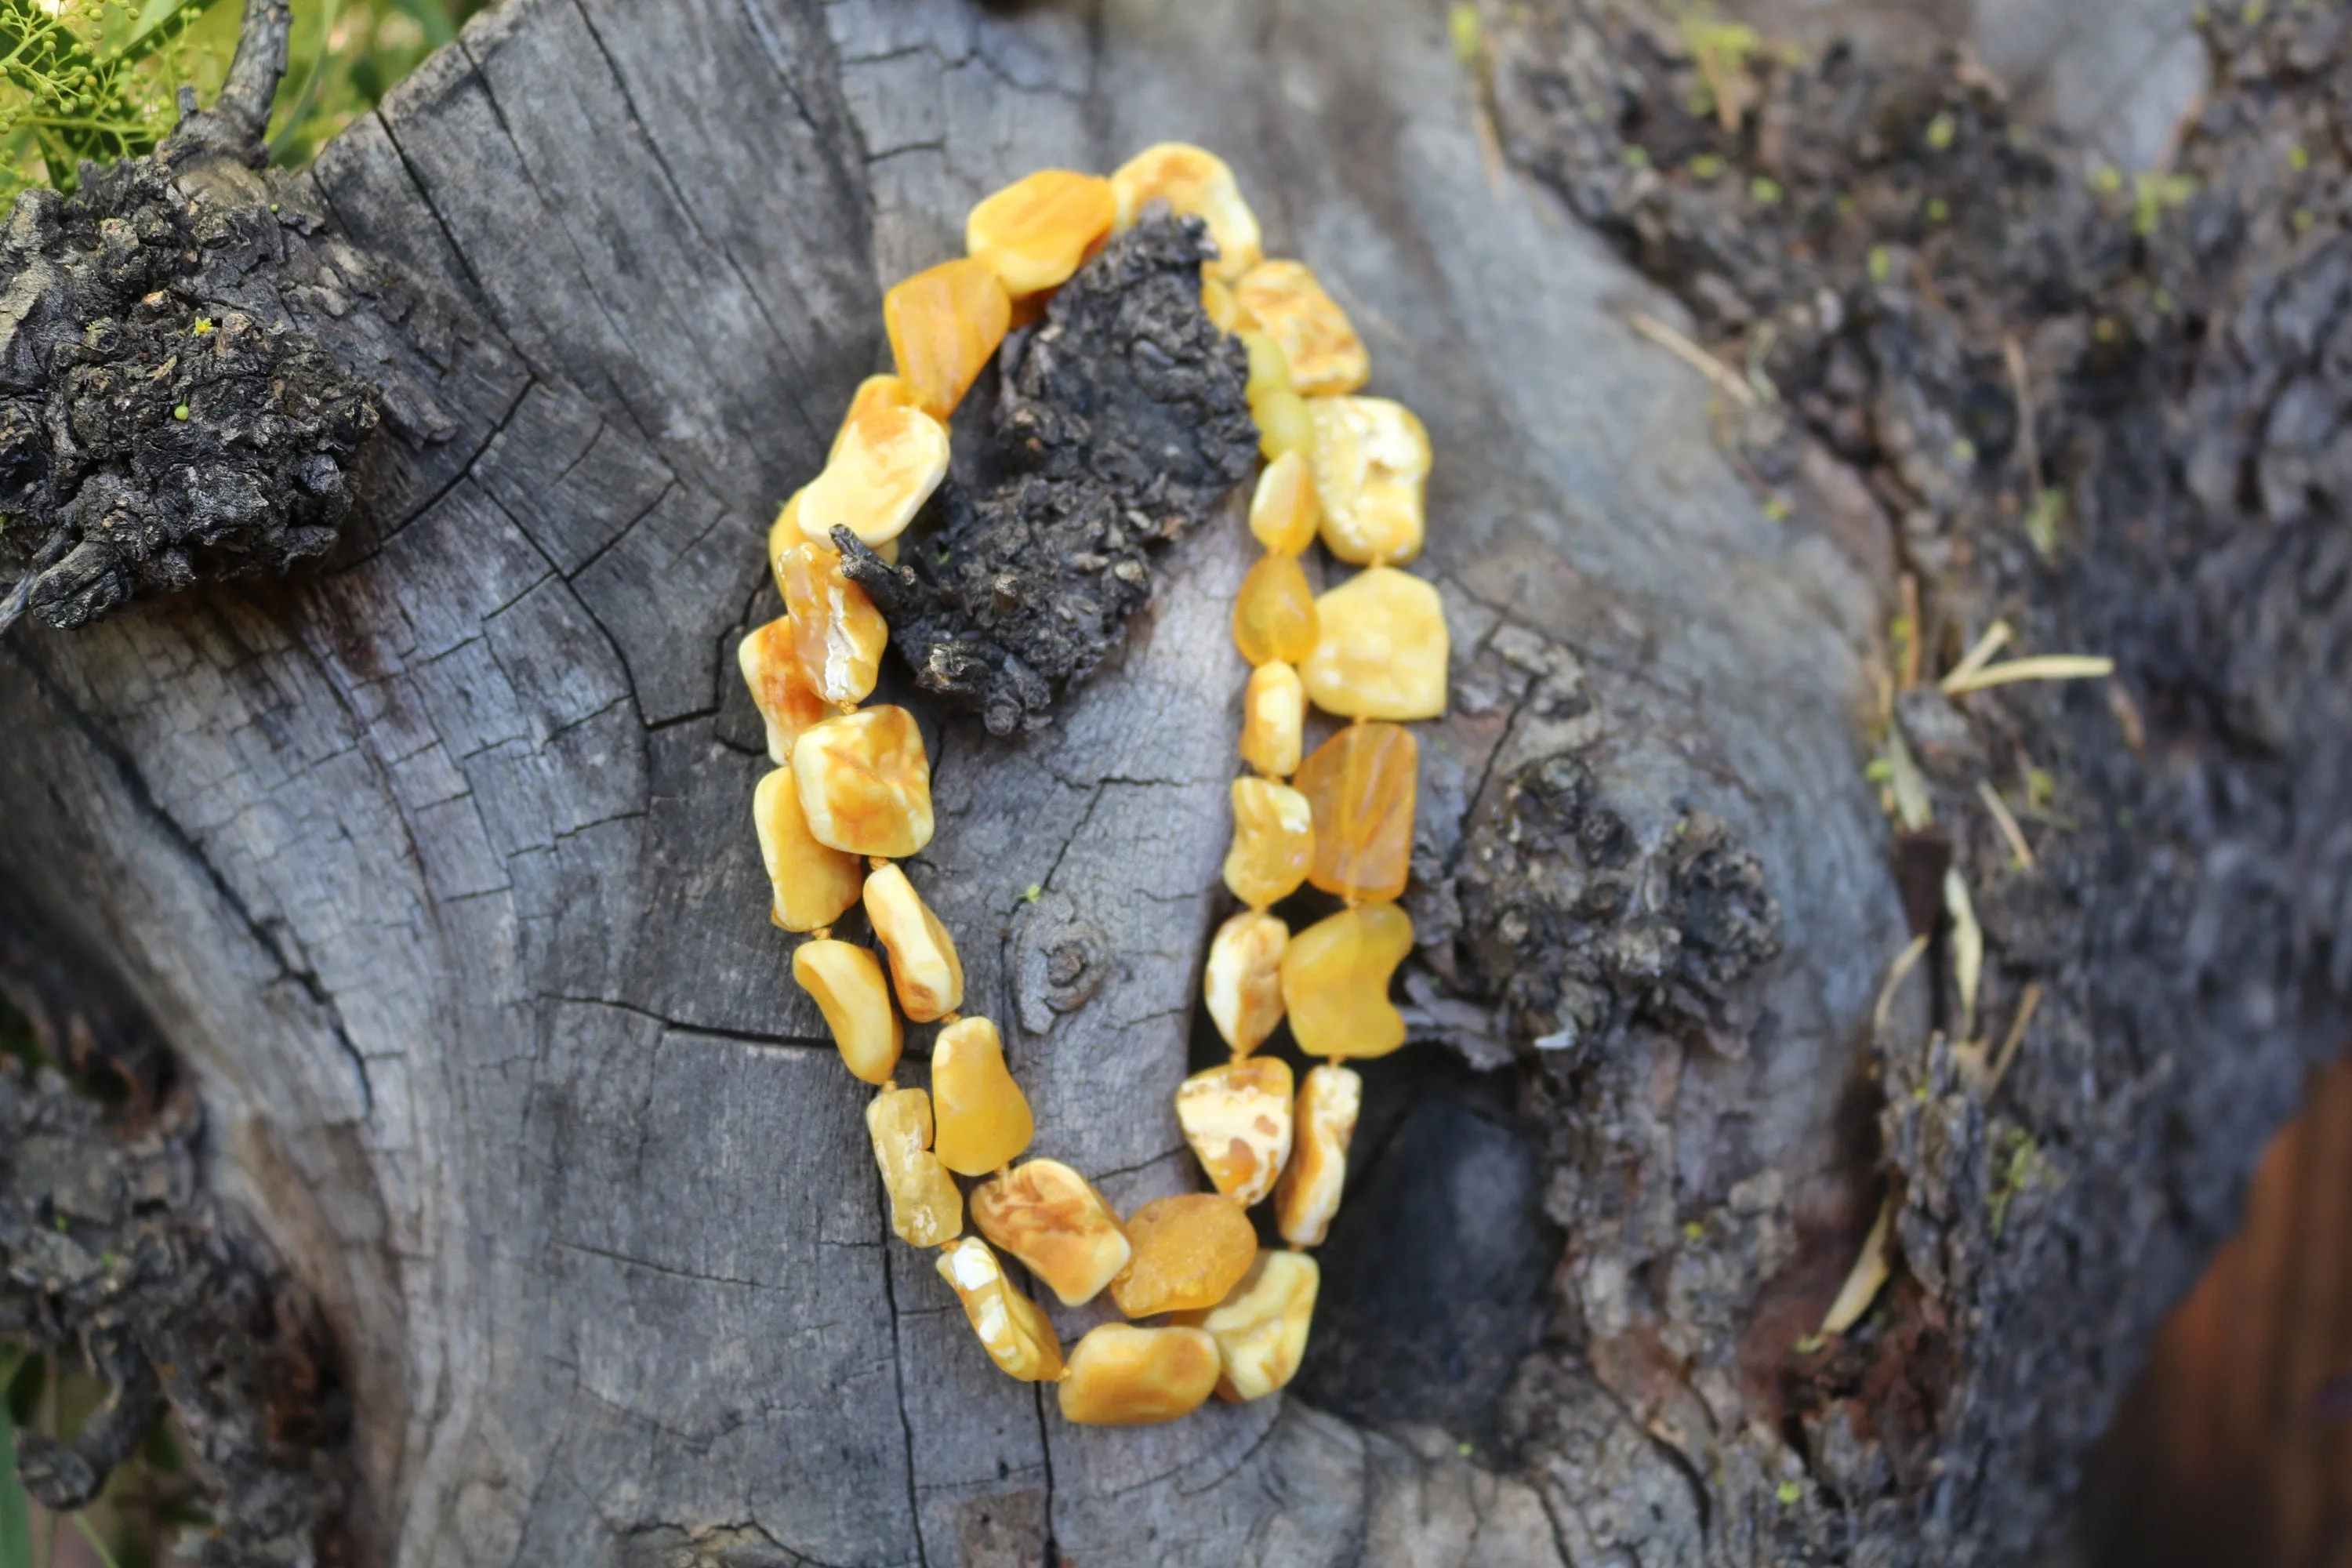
(2048, 667)
(1896, 973)
(1868, 1277)
(1727, 380)
(1968, 949)
(1912, 805)
(2007, 823)
(2027, 1005)
(1995, 637)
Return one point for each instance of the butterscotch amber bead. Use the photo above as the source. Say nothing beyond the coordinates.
(837, 632)
(1284, 425)
(1274, 719)
(1237, 1119)
(1121, 1375)
(924, 967)
(1320, 346)
(1268, 371)
(1192, 180)
(772, 669)
(812, 883)
(876, 392)
(984, 1117)
(944, 324)
(866, 783)
(1189, 1251)
(1274, 842)
(1261, 1328)
(1335, 982)
(847, 983)
(1274, 616)
(1284, 512)
(1380, 649)
(1308, 1196)
(1053, 1220)
(886, 461)
(1243, 985)
(1371, 467)
(1013, 1330)
(1360, 785)
(1034, 232)
(1217, 304)
(926, 1209)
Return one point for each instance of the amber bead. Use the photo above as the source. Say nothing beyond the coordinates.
(924, 967)
(1237, 1119)
(1274, 616)
(1308, 1196)
(1013, 1330)
(1284, 425)
(1372, 467)
(875, 393)
(1121, 1375)
(1261, 1328)
(984, 1117)
(1380, 649)
(1268, 371)
(1243, 983)
(1189, 1251)
(1053, 1220)
(1274, 842)
(1284, 512)
(926, 1209)
(1274, 719)
(812, 883)
(847, 982)
(1360, 785)
(944, 324)
(866, 783)
(1217, 304)
(1335, 982)
(837, 632)
(772, 669)
(1036, 231)
(1192, 180)
(886, 461)
(1287, 302)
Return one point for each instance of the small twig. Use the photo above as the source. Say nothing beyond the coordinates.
(1727, 380)
(1905, 962)
(2006, 823)
(1995, 637)
(2029, 441)
(1909, 675)
(2128, 718)
(2027, 1005)
(1868, 1277)
(2048, 667)
(1967, 948)
(1913, 806)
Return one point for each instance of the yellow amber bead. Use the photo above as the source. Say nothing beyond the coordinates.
(1192, 180)
(1274, 616)
(866, 783)
(814, 882)
(926, 1209)
(924, 967)
(1284, 512)
(1189, 1250)
(1053, 1220)
(1237, 1119)
(876, 392)
(1274, 719)
(1243, 983)
(1268, 371)
(837, 632)
(1360, 785)
(1335, 982)
(944, 324)
(1284, 425)
(1274, 842)
(1121, 1375)
(1318, 341)
(1308, 1196)
(1380, 649)
(1013, 1330)
(1261, 1328)
(1217, 304)
(1372, 467)
(984, 1117)
(847, 983)
(1037, 231)
(886, 461)
(772, 669)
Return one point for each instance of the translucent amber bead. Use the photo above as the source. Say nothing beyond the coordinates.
(1012, 1328)
(1360, 785)
(772, 669)
(847, 983)
(1192, 180)
(1308, 1196)
(1053, 1220)
(1243, 982)
(1121, 1375)
(984, 1116)
(1268, 371)
(837, 632)
(1189, 1251)
(1371, 466)
(1283, 512)
(924, 967)
(1217, 304)
(944, 324)
(886, 461)
(1274, 616)
(1274, 842)
(926, 1210)
(1261, 1328)
(1274, 719)
(1287, 302)
(866, 783)
(876, 392)
(1036, 231)
(1237, 1119)
(1380, 649)
(1335, 982)
(814, 882)
(1284, 425)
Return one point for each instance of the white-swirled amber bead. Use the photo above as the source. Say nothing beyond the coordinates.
(924, 967)
(837, 634)
(1289, 304)
(1013, 1330)
(886, 461)
(772, 669)
(926, 1209)
(1380, 649)
(1274, 719)
(1056, 1223)
(1121, 1375)
(1261, 1328)
(1308, 1196)
(866, 781)
(1274, 842)
(1242, 981)
(1372, 467)
(1237, 1119)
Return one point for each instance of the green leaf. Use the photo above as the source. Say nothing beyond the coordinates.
(16, 1508)
(96, 1542)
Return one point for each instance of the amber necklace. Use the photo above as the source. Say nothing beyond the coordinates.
(851, 794)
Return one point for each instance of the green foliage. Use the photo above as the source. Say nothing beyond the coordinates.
(344, 56)
(16, 1508)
